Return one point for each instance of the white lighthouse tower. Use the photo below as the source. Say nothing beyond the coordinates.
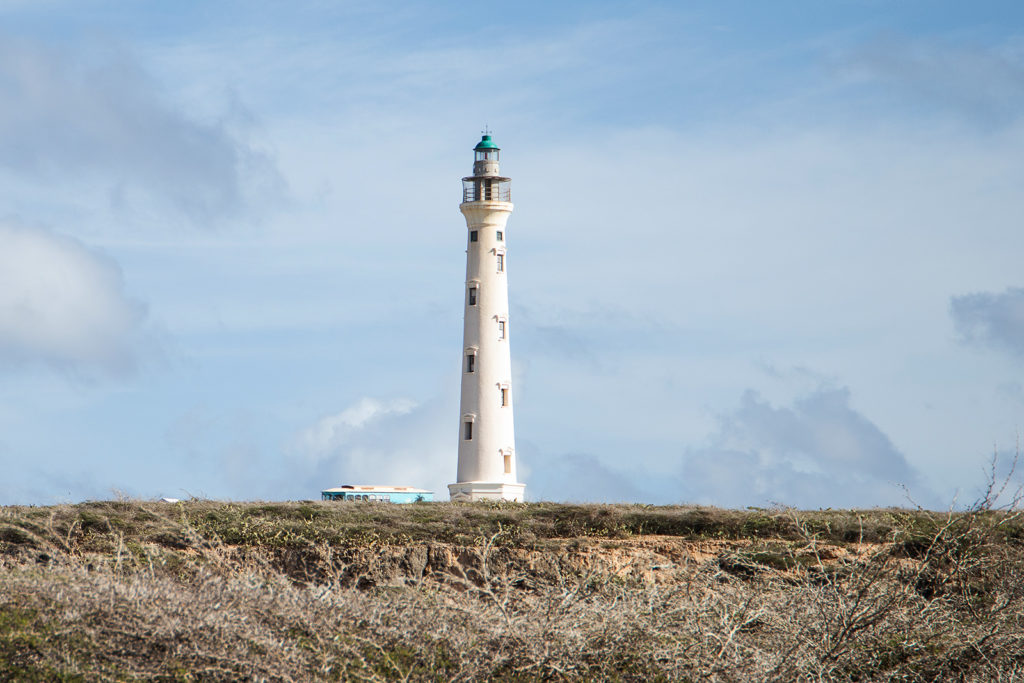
(487, 448)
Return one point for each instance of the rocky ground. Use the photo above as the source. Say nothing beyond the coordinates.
(127, 590)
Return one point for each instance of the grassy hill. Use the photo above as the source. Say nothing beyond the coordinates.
(127, 590)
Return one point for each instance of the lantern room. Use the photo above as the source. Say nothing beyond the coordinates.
(485, 184)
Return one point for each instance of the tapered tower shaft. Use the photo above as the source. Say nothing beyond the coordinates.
(487, 458)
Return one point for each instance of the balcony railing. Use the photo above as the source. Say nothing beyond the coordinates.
(486, 189)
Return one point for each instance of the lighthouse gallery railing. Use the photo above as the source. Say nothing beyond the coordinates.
(486, 189)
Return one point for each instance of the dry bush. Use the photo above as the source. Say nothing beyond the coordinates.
(311, 591)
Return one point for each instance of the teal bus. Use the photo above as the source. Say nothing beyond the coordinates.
(383, 494)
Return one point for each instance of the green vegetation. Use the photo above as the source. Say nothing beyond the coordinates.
(99, 526)
(200, 590)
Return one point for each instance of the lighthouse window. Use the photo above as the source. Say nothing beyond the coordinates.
(504, 396)
(501, 236)
(501, 329)
(472, 296)
(501, 263)
(470, 362)
(508, 464)
(473, 235)
(468, 433)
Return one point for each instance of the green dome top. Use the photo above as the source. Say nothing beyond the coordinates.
(486, 143)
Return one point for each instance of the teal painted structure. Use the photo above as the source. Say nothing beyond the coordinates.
(486, 143)
(381, 494)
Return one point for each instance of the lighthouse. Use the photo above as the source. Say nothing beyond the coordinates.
(487, 448)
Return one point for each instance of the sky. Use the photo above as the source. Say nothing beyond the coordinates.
(761, 253)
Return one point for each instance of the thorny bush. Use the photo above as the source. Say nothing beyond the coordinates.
(318, 591)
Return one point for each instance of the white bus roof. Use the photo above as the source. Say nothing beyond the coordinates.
(375, 489)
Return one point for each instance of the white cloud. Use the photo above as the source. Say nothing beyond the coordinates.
(397, 442)
(63, 304)
(90, 116)
(334, 432)
(818, 452)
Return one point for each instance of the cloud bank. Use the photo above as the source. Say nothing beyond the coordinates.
(95, 116)
(817, 452)
(389, 442)
(64, 305)
(991, 319)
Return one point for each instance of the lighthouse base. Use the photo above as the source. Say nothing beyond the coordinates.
(469, 491)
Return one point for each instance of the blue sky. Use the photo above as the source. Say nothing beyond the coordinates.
(761, 252)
